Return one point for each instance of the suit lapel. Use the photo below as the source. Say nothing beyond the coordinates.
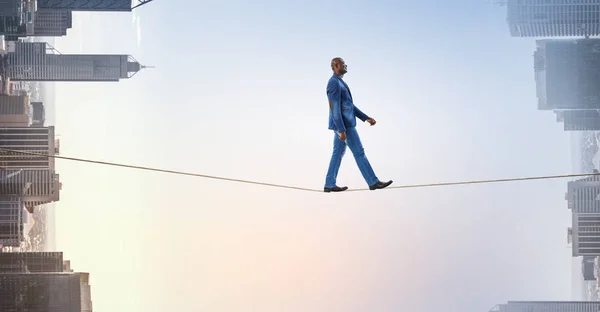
(345, 85)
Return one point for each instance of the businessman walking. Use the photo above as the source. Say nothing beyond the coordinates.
(342, 120)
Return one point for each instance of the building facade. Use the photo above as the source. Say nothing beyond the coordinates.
(547, 306)
(14, 111)
(38, 114)
(14, 104)
(558, 18)
(31, 262)
(40, 292)
(581, 120)
(31, 62)
(586, 234)
(86, 5)
(11, 221)
(583, 195)
(17, 17)
(34, 186)
(567, 74)
(52, 23)
(583, 199)
(86, 292)
(36, 140)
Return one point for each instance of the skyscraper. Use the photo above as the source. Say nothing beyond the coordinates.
(16, 17)
(31, 262)
(14, 104)
(558, 18)
(567, 74)
(90, 5)
(583, 199)
(41, 292)
(11, 221)
(34, 186)
(31, 62)
(546, 306)
(38, 140)
(48, 23)
(585, 234)
(85, 5)
(38, 114)
(52, 23)
(581, 120)
(14, 111)
(583, 195)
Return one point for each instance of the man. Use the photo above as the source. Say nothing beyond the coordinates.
(342, 120)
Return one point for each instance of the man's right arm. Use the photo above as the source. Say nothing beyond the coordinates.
(334, 94)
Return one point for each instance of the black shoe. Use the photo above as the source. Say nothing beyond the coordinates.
(335, 189)
(380, 185)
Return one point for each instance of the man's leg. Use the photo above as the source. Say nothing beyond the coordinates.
(339, 149)
(355, 145)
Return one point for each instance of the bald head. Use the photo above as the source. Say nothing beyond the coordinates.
(339, 66)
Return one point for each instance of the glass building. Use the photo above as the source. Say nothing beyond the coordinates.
(11, 221)
(40, 292)
(581, 120)
(548, 306)
(85, 5)
(556, 18)
(567, 74)
(31, 262)
(31, 61)
(35, 140)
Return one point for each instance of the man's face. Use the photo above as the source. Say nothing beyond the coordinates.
(340, 67)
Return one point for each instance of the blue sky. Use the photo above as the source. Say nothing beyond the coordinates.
(239, 91)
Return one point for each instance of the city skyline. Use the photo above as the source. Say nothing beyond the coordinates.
(28, 183)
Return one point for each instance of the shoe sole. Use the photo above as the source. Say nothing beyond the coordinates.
(332, 191)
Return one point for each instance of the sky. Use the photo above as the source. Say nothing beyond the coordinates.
(239, 91)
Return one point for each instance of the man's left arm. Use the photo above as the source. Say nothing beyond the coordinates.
(359, 114)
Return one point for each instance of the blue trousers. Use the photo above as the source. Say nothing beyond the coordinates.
(339, 149)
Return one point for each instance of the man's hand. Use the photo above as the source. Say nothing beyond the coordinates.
(371, 121)
(342, 136)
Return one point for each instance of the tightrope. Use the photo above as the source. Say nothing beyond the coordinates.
(7, 152)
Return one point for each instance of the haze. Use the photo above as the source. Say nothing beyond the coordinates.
(239, 91)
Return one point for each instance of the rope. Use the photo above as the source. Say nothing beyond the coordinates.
(285, 186)
(560, 176)
(159, 170)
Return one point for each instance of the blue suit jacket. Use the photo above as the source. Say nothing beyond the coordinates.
(342, 112)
